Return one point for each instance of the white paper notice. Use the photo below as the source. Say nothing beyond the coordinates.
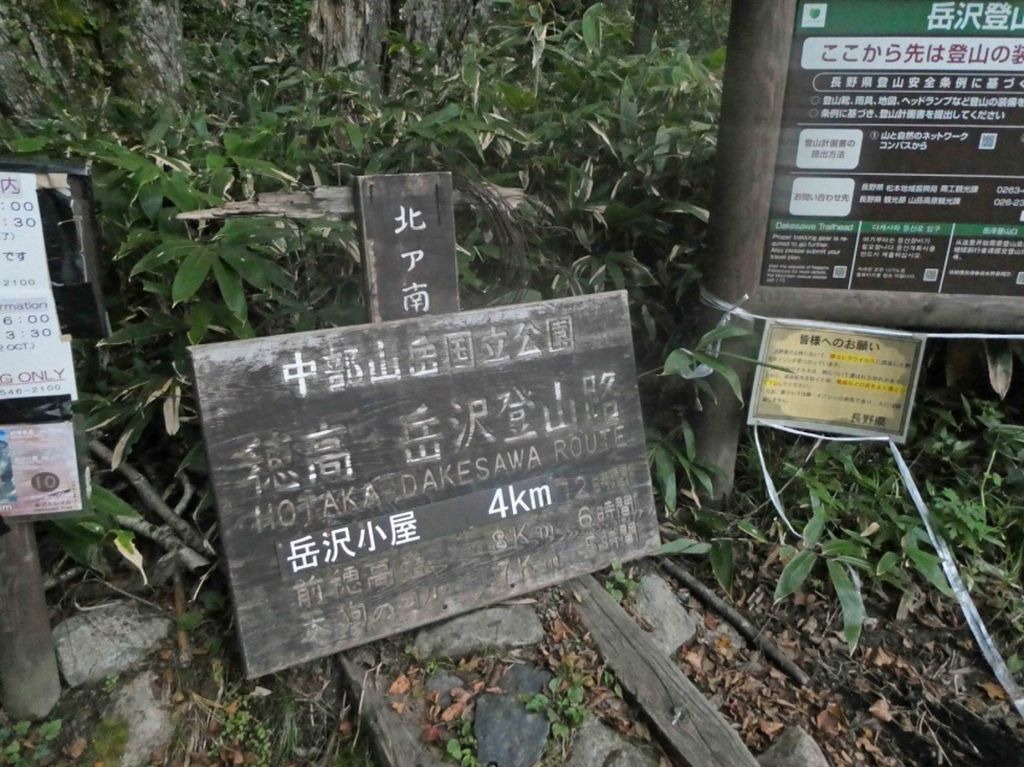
(23, 267)
(34, 360)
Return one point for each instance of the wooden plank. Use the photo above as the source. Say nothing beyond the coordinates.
(326, 202)
(29, 681)
(692, 731)
(408, 232)
(511, 439)
(396, 738)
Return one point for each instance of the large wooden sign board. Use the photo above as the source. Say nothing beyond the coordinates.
(376, 478)
(896, 195)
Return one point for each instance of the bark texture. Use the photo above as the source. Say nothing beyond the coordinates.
(347, 32)
(73, 53)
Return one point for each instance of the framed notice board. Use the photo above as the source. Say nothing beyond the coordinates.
(872, 163)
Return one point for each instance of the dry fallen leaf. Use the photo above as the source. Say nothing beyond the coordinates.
(881, 658)
(694, 659)
(880, 710)
(76, 748)
(434, 734)
(398, 706)
(770, 728)
(995, 691)
(453, 712)
(830, 719)
(400, 686)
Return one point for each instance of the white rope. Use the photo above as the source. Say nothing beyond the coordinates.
(949, 568)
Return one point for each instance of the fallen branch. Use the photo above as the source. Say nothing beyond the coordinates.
(57, 579)
(731, 614)
(189, 558)
(324, 202)
(184, 648)
(152, 499)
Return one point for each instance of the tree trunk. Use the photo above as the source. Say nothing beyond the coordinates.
(346, 32)
(645, 14)
(71, 55)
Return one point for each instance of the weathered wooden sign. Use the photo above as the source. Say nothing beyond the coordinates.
(837, 379)
(376, 478)
(896, 195)
(408, 229)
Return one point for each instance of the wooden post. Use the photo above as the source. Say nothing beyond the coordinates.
(760, 34)
(29, 681)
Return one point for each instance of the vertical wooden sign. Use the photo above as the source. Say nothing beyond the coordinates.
(408, 232)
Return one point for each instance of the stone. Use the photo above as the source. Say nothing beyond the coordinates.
(525, 679)
(97, 644)
(672, 624)
(443, 682)
(794, 748)
(148, 720)
(496, 628)
(507, 735)
(598, 744)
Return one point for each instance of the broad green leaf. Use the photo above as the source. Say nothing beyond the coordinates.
(592, 26)
(355, 136)
(887, 563)
(230, 285)
(794, 574)
(816, 524)
(199, 320)
(752, 531)
(111, 505)
(721, 563)
(124, 542)
(190, 276)
(851, 601)
(931, 568)
(684, 546)
(157, 325)
(665, 469)
(724, 370)
(680, 362)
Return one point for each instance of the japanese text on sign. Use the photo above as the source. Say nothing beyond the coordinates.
(372, 479)
(836, 379)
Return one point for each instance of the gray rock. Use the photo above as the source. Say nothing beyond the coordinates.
(598, 744)
(794, 748)
(496, 628)
(148, 720)
(100, 643)
(507, 735)
(672, 624)
(443, 682)
(524, 679)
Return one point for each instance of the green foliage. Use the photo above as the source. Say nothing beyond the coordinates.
(244, 734)
(463, 748)
(612, 147)
(563, 704)
(966, 456)
(619, 583)
(22, 744)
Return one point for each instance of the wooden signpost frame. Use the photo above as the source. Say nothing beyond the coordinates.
(760, 38)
